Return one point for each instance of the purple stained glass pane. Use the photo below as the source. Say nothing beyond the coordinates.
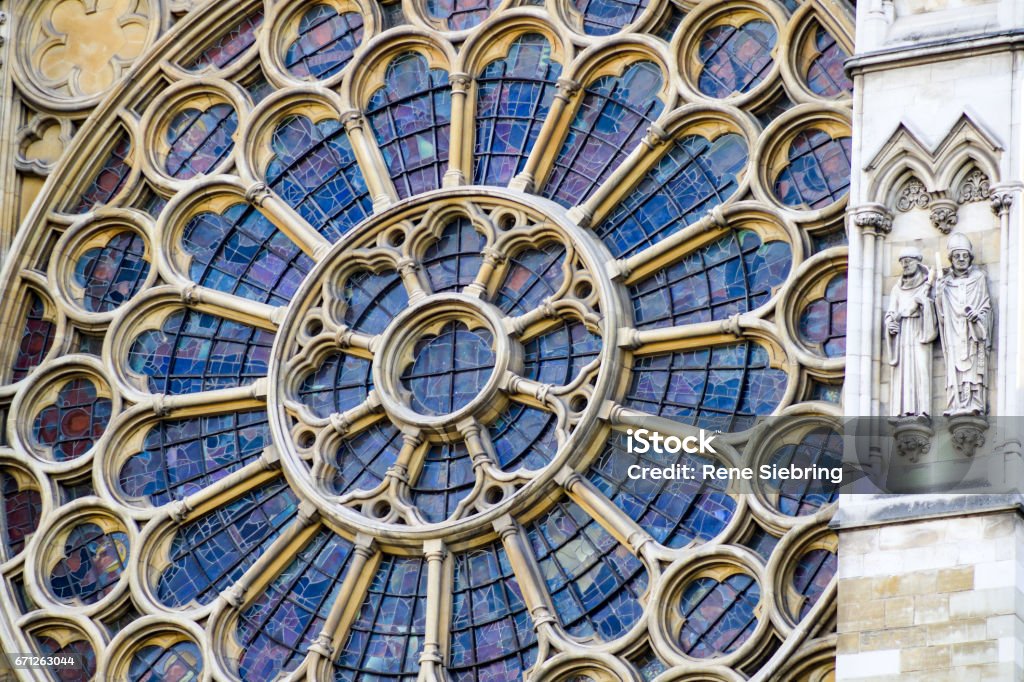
(693, 177)
(110, 275)
(826, 75)
(718, 616)
(363, 460)
(449, 369)
(735, 58)
(314, 170)
(372, 300)
(820, 447)
(453, 261)
(36, 338)
(182, 456)
(194, 351)
(724, 388)
(461, 14)
(48, 646)
(275, 631)
(731, 275)
(524, 437)
(823, 321)
(514, 95)
(814, 572)
(594, 582)
(20, 509)
(612, 118)
(210, 553)
(558, 356)
(72, 424)
(444, 480)
(325, 44)
(240, 252)
(492, 636)
(342, 382)
(110, 178)
(91, 565)
(386, 637)
(532, 276)
(605, 17)
(818, 173)
(199, 141)
(410, 117)
(675, 512)
(182, 661)
(231, 45)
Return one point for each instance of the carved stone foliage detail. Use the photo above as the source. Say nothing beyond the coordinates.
(943, 215)
(913, 195)
(975, 187)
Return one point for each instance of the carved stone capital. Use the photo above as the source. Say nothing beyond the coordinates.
(1001, 201)
(460, 82)
(257, 194)
(943, 215)
(322, 645)
(567, 89)
(235, 595)
(873, 219)
(353, 121)
(656, 136)
(190, 294)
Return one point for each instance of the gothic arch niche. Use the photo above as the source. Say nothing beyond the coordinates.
(396, 295)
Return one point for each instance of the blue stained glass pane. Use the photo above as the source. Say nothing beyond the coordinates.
(722, 388)
(461, 14)
(454, 260)
(821, 447)
(718, 616)
(153, 663)
(385, 640)
(445, 479)
(524, 437)
(341, 383)
(735, 58)
(231, 45)
(410, 117)
(241, 252)
(449, 369)
(91, 565)
(110, 275)
(823, 321)
(595, 583)
(533, 276)
(363, 460)
(818, 173)
(492, 635)
(110, 178)
(210, 553)
(557, 357)
(826, 75)
(314, 170)
(693, 177)
(183, 456)
(200, 140)
(612, 118)
(674, 511)
(373, 299)
(605, 17)
(649, 665)
(734, 274)
(325, 44)
(276, 630)
(514, 95)
(194, 351)
(814, 572)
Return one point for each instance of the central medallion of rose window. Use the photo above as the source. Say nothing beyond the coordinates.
(445, 363)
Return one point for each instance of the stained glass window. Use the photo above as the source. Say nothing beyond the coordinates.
(453, 261)
(20, 510)
(718, 616)
(410, 117)
(557, 357)
(612, 118)
(386, 638)
(210, 553)
(373, 299)
(79, 647)
(735, 58)
(153, 663)
(724, 387)
(231, 45)
(91, 566)
(818, 173)
(109, 275)
(194, 351)
(325, 44)
(183, 456)
(524, 437)
(605, 17)
(363, 460)
(533, 275)
(110, 178)
(514, 95)
(733, 274)
(449, 368)
(241, 252)
(341, 383)
(74, 422)
(814, 572)
(446, 478)
(492, 635)
(275, 631)
(674, 511)
(461, 14)
(314, 171)
(823, 321)
(692, 178)
(198, 141)
(819, 448)
(826, 75)
(36, 338)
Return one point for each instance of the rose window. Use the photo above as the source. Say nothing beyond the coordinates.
(337, 319)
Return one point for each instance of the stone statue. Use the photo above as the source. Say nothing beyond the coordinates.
(911, 328)
(964, 308)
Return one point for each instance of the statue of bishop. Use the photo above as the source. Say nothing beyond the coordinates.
(911, 327)
(965, 322)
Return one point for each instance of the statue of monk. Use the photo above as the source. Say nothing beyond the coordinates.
(911, 328)
(965, 322)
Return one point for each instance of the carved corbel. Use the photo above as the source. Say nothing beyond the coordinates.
(943, 215)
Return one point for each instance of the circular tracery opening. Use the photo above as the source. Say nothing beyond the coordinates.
(450, 368)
